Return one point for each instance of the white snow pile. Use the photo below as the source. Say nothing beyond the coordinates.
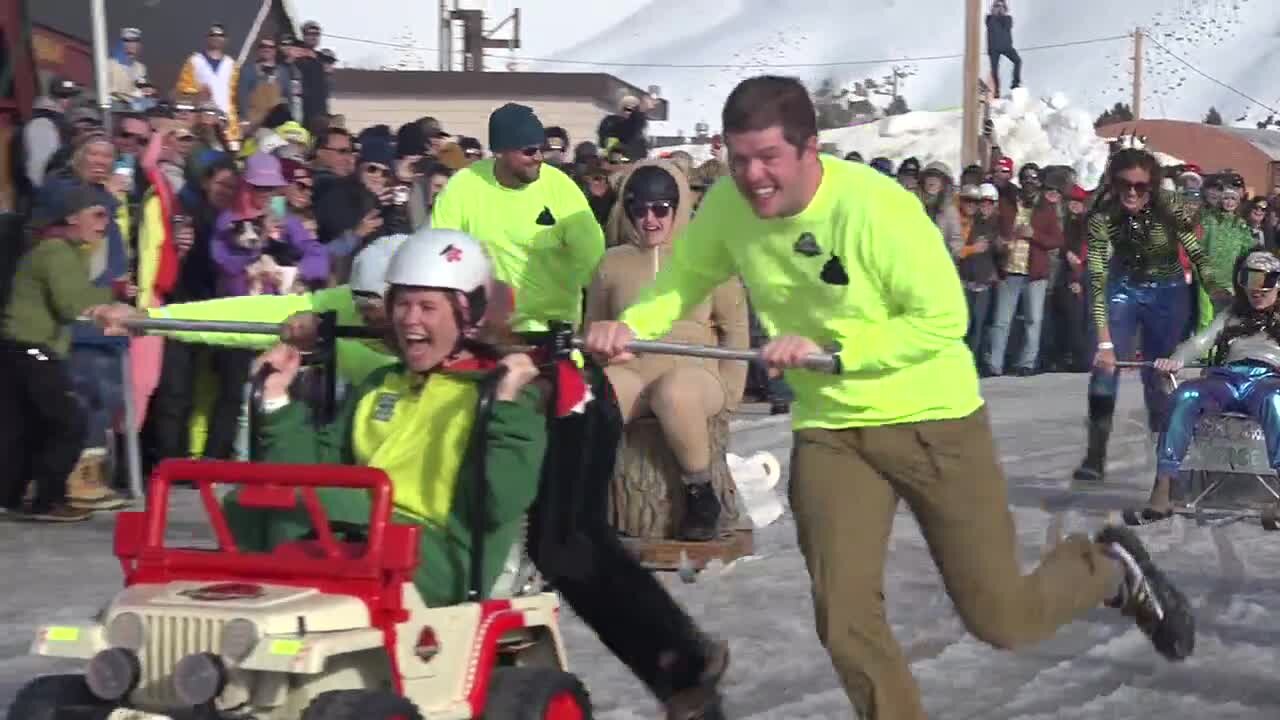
(1045, 131)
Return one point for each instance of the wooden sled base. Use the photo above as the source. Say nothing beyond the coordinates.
(664, 554)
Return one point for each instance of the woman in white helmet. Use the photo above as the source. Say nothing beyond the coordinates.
(414, 419)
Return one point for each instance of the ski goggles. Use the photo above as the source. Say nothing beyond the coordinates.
(1251, 279)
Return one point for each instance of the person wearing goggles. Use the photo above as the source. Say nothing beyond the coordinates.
(1243, 345)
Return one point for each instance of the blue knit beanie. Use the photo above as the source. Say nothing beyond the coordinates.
(512, 127)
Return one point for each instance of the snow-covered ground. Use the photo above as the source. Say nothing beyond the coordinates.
(1099, 667)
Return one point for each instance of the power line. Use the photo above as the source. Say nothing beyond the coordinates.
(839, 63)
(366, 41)
(1211, 78)
(713, 66)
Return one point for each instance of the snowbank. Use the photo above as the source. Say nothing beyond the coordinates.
(1046, 131)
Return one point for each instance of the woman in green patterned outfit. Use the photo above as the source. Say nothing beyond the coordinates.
(1138, 287)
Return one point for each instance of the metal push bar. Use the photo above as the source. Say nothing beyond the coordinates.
(821, 362)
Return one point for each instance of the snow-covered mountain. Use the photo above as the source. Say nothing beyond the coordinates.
(1235, 41)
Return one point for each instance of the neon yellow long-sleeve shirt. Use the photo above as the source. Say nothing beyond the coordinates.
(543, 238)
(356, 358)
(861, 266)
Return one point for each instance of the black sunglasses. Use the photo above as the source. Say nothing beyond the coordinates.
(660, 209)
(131, 136)
(1123, 186)
(532, 150)
(376, 170)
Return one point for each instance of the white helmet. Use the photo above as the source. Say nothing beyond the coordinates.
(369, 268)
(444, 259)
(988, 192)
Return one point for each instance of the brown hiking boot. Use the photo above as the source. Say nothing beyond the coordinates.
(58, 513)
(86, 488)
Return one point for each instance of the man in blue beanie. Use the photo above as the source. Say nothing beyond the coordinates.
(531, 217)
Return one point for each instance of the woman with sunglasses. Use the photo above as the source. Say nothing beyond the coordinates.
(682, 393)
(1138, 287)
(1244, 377)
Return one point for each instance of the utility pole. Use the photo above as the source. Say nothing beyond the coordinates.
(446, 37)
(971, 126)
(1138, 37)
(476, 39)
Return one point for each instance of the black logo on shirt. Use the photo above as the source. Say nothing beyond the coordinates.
(833, 272)
(546, 218)
(807, 246)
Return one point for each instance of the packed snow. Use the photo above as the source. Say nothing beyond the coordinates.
(1098, 667)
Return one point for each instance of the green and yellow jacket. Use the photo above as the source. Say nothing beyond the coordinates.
(419, 433)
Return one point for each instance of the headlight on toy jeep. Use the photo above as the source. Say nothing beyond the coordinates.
(239, 637)
(113, 673)
(126, 631)
(199, 678)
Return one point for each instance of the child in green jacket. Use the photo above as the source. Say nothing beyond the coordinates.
(45, 422)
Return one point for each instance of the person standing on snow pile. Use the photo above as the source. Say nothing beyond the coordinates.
(1000, 43)
(532, 219)
(836, 256)
(45, 423)
(1137, 285)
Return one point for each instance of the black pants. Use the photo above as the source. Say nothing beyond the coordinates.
(572, 544)
(166, 430)
(1015, 58)
(1071, 334)
(169, 415)
(44, 425)
(232, 368)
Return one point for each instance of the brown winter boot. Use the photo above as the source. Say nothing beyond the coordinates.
(86, 488)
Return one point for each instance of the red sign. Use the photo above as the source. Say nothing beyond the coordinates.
(225, 591)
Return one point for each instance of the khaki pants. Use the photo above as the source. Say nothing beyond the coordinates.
(845, 487)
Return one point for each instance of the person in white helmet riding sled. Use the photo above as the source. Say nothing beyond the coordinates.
(1243, 343)
(438, 287)
(413, 419)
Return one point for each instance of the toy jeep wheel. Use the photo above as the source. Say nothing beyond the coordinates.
(49, 697)
(360, 705)
(536, 694)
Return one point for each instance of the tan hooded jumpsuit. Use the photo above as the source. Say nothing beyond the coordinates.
(681, 392)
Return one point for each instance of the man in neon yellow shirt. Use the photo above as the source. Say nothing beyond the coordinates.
(532, 219)
(837, 256)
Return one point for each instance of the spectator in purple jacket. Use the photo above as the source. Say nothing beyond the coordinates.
(258, 247)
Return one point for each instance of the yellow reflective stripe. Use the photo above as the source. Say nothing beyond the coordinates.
(62, 633)
(285, 647)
